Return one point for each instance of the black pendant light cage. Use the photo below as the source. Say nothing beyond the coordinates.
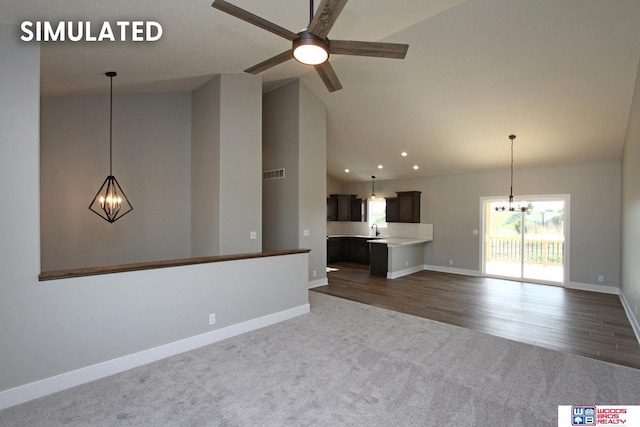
(510, 207)
(110, 202)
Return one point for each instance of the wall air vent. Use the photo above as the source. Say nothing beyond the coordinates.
(273, 174)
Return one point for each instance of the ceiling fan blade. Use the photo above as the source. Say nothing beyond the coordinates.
(271, 62)
(382, 50)
(254, 19)
(325, 17)
(328, 76)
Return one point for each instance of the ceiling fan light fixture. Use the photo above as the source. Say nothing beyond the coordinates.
(311, 45)
(310, 49)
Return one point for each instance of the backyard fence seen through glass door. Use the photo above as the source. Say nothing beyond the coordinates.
(527, 245)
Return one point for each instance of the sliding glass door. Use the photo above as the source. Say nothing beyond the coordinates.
(529, 245)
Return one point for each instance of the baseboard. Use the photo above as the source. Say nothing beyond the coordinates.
(630, 315)
(319, 282)
(70, 379)
(452, 270)
(593, 288)
(404, 272)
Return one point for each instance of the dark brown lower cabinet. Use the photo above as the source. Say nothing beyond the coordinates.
(335, 251)
(379, 259)
(348, 249)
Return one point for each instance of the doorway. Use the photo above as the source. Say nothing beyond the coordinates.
(529, 245)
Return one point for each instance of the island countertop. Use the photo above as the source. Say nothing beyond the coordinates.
(359, 236)
(399, 241)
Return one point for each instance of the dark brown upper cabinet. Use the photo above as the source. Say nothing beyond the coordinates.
(403, 208)
(332, 208)
(345, 207)
(391, 209)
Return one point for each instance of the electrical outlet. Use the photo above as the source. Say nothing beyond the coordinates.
(306, 233)
(406, 264)
(314, 273)
(212, 319)
(600, 279)
(253, 235)
(450, 262)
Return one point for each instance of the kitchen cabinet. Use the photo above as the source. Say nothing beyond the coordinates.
(345, 207)
(405, 207)
(409, 206)
(358, 210)
(391, 210)
(348, 249)
(335, 250)
(332, 209)
(358, 251)
(379, 260)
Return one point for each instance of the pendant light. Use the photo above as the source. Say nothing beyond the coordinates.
(373, 193)
(511, 207)
(110, 202)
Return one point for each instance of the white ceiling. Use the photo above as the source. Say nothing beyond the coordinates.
(557, 73)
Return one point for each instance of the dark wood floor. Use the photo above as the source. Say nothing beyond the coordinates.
(585, 323)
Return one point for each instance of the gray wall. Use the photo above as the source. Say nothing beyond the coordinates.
(452, 204)
(205, 169)
(631, 209)
(313, 184)
(151, 142)
(280, 149)
(294, 138)
(22, 298)
(333, 186)
(240, 163)
(186, 170)
(227, 157)
(51, 328)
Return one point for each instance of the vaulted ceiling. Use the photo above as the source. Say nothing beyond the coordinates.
(557, 73)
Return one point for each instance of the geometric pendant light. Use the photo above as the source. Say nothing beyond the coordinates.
(511, 207)
(110, 202)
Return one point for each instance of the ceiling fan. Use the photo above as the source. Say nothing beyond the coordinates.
(311, 45)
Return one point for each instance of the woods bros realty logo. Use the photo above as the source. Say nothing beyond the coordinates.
(592, 415)
(82, 31)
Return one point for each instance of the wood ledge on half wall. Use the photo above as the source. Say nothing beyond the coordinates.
(108, 269)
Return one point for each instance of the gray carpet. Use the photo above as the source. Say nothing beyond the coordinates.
(343, 364)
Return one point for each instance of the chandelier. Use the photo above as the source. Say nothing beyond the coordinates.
(110, 202)
(511, 206)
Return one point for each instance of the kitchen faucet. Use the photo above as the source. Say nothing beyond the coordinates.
(376, 226)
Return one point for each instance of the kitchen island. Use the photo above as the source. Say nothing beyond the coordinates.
(394, 257)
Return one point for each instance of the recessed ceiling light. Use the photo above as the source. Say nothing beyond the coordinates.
(404, 154)
(346, 170)
(379, 166)
(416, 167)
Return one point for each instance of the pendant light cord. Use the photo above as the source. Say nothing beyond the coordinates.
(111, 127)
(511, 188)
(310, 11)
